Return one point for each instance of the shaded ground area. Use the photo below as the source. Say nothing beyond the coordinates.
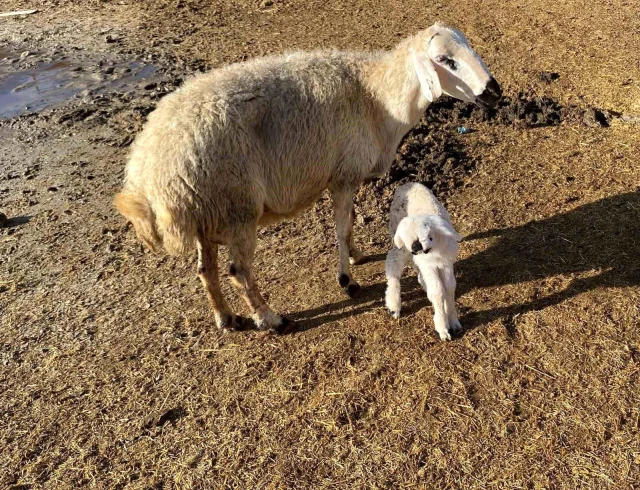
(111, 374)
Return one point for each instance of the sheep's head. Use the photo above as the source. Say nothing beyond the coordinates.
(422, 233)
(445, 63)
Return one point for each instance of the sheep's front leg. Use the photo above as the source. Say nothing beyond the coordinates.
(343, 214)
(241, 274)
(394, 265)
(449, 280)
(209, 276)
(355, 255)
(436, 293)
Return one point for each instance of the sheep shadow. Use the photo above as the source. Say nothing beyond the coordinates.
(373, 258)
(371, 298)
(602, 236)
(14, 222)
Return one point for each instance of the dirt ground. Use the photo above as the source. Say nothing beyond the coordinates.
(112, 374)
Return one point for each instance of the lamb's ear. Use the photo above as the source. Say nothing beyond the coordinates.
(447, 229)
(397, 239)
(429, 81)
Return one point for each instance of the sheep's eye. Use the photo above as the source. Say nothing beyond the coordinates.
(446, 61)
(430, 239)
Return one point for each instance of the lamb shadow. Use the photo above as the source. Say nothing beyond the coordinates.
(600, 236)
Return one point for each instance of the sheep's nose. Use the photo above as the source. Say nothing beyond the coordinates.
(491, 94)
(416, 247)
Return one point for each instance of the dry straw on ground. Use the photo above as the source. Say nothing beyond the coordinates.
(111, 375)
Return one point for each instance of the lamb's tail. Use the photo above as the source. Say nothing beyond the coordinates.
(136, 208)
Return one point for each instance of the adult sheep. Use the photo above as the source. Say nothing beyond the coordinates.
(254, 142)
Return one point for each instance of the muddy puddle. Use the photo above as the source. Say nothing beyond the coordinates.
(32, 82)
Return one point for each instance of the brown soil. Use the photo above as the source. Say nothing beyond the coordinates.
(112, 375)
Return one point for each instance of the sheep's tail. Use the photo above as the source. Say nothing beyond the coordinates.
(164, 226)
(136, 208)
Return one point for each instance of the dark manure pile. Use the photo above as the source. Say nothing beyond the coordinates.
(436, 154)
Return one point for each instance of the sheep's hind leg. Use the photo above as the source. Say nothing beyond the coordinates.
(241, 250)
(394, 265)
(343, 214)
(209, 276)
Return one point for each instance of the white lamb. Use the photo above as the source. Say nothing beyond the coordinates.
(421, 226)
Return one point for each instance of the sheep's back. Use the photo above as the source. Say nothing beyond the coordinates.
(275, 121)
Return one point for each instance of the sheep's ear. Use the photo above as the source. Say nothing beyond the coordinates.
(429, 81)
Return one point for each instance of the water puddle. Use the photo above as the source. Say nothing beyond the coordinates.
(32, 83)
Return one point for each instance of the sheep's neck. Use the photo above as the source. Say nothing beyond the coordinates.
(394, 84)
(395, 88)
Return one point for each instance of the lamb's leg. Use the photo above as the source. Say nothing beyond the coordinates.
(241, 250)
(342, 210)
(420, 279)
(355, 255)
(209, 276)
(436, 293)
(394, 265)
(449, 280)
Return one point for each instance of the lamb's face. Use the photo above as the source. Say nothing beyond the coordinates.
(425, 233)
(424, 239)
(461, 72)
(416, 234)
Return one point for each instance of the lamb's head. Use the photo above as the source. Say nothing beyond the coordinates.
(445, 63)
(426, 232)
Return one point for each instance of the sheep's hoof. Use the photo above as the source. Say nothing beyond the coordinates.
(444, 335)
(356, 257)
(455, 326)
(343, 280)
(353, 290)
(394, 314)
(266, 319)
(232, 323)
(348, 285)
(286, 326)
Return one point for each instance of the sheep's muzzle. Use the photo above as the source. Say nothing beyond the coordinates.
(491, 95)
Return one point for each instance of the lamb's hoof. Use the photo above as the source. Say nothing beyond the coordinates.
(444, 335)
(394, 314)
(233, 323)
(286, 326)
(455, 326)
